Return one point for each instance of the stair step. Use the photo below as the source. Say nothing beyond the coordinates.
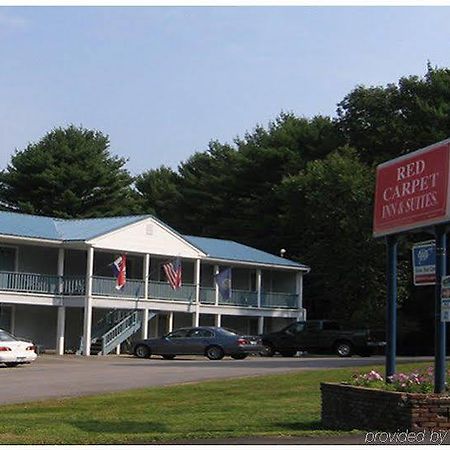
(98, 339)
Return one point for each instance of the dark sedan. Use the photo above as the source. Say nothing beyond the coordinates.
(212, 342)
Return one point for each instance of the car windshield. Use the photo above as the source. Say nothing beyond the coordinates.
(4, 336)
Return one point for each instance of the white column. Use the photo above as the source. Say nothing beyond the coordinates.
(216, 286)
(87, 323)
(118, 350)
(145, 274)
(61, 318)
(218, 320)
(144, 327)
(258, 286)
(60, 269)
(261, 325)
(299, 283)
(12, 327)
(170, 325)
(60, 326)
(196, 320)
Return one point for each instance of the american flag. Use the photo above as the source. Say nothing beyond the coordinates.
(173, 273)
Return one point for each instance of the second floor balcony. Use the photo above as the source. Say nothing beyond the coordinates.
(34, 283)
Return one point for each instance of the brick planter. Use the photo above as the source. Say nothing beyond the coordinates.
(347, 407)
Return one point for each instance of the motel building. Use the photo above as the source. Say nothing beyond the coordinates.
(57, 286)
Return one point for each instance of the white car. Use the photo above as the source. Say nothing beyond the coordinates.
(14, 351)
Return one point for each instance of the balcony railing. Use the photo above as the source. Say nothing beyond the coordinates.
(105, 286)
(240, 298)
(73, 285)
(207, 295)
(29, 282)
(162, 290)
(278, 300)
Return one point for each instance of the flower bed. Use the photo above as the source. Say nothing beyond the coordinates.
(419, 381)
(367, 402)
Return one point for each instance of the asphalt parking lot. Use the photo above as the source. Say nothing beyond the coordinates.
(70, 376)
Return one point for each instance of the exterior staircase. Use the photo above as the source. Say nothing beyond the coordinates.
(113, 329)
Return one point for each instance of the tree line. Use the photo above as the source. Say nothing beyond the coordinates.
(303, 184)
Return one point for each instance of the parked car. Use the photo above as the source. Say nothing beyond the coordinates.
(212, 342)
(321, 335)
(14, 351)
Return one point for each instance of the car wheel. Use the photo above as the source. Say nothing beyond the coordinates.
(214, 353)
(343, 349)
(288, 353)
(239, 356)
(168, 356)
(268, 350)
(142, 351)
(11, 364)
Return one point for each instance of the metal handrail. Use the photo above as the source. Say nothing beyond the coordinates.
(118, 329)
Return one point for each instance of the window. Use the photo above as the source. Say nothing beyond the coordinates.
(229, 332)
(4, 336)
(295, 328)
(7, 259)
(253, 281)
(200, 333)
(331, 326)
(177, 334)
(313, 326)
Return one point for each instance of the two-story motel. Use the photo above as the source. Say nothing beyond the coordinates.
(57, 287)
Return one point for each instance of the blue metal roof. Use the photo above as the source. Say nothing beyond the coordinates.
(85, 229)
(233, 251)
(40, 227)
(27, 226)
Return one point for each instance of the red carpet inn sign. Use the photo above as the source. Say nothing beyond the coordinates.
(412, 191)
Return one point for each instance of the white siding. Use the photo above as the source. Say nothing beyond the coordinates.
(147, 236)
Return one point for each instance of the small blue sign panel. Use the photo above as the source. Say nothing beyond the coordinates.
(445, 299)
(424, 263)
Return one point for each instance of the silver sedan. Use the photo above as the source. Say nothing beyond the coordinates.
(212, 342)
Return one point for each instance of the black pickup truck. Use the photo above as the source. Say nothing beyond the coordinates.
(321, 335)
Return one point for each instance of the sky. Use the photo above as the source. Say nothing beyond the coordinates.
(164, 81)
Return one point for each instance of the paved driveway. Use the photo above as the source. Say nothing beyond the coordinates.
(69, 376)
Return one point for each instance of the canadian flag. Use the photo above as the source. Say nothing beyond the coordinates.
(120, 271)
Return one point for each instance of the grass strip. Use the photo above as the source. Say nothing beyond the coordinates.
(273, 405)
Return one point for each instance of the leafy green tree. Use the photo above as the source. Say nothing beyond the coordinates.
(206, 191)
(385, 122)
(229, 190)
(157, 191)
(68, 173)
(327, 223)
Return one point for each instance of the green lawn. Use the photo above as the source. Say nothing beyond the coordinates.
(279, 405)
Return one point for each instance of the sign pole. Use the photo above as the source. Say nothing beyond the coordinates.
(439, 325)
(391, 318)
